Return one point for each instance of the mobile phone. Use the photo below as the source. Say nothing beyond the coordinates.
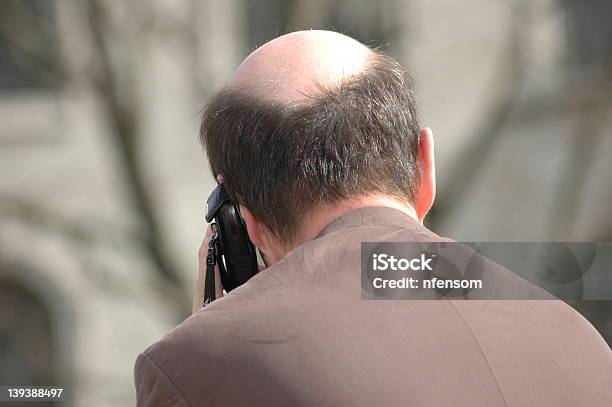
(236, 255)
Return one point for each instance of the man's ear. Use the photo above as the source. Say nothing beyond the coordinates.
(254, 228)
(426, 192)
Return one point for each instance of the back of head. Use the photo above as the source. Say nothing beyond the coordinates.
(343, 138)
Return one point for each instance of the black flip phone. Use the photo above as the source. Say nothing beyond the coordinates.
(231, 248)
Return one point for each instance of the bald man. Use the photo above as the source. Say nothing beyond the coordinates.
(316, 136)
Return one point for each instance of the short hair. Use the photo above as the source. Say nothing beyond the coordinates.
(282, 160)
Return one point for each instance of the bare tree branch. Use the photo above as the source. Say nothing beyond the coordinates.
(123, 118)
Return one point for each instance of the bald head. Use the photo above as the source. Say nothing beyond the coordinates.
(355, 134)
(295, 66)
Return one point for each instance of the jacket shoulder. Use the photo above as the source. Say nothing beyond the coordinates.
(153, 386)
(184, 365)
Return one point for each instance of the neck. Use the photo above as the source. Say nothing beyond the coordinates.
(323, 215)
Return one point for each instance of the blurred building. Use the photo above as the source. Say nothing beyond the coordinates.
(103, 180)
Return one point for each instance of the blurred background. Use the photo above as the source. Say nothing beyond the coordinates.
(103, 181)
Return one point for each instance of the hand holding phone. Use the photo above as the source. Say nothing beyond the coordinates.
(230, 248)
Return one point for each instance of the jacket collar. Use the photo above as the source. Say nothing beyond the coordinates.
(371, 216)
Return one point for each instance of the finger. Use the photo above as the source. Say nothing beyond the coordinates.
(198, 298)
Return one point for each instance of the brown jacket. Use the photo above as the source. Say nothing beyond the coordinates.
(298, 334)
